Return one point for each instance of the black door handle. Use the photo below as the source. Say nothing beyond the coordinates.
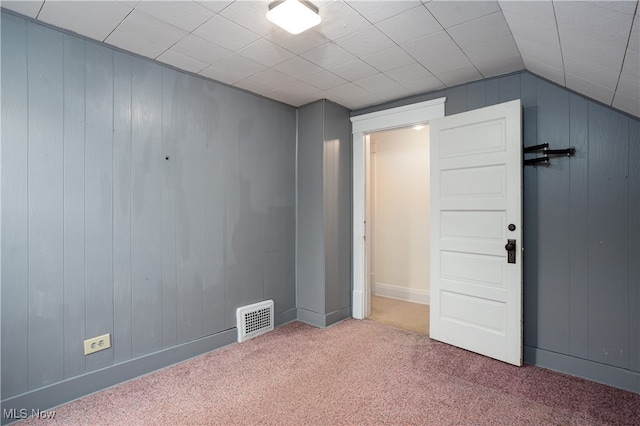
(510, 247)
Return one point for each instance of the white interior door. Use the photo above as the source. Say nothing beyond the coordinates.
(476, 207)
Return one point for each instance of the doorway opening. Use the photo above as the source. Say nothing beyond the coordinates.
(476, 190)
(397, 177)
(363, 126)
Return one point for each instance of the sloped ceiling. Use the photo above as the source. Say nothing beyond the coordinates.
(368, 52)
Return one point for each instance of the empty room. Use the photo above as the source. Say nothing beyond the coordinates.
(206, 208)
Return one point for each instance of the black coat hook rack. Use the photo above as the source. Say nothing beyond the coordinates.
(546, 154)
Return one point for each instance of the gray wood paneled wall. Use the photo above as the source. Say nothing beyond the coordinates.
(581, 227)
(337, 180)
(147, 203)
(136, 200)
(323, 284)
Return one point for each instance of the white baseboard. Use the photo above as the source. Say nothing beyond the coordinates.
(402, 293)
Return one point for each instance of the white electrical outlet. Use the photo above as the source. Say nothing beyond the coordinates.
(97, 344)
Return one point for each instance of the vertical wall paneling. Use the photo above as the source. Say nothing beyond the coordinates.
(169, 159)
(344, 219)
(213, 290)
(122, 147)
(324, 274)
(530, 214)
(229, 138)
(279, 228)
(122, 183)
(578, 244)
(98, 198)
(290, 191)
(553, 232)
(286, 211)
(251, 221)
(492, 90)
(529, 96)
(608, 264)
(186, 116)
(74, 212)
(310, 229)
(146, 200)
(15, 262)
(634, 244)
(273, 231)
(333, 303)
(346, 196)
(509, 88)
(456, 100)
(45, 198)
(330, 203)
(476, 96)
(337, 139)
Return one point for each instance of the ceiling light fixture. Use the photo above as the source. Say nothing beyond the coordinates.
(294, 16)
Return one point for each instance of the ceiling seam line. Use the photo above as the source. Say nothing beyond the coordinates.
(555, 18)
(459, 47)
(400, 47)
(195, 35)
(40, 10)
(512, 34)
(417, 61)
(104, 40)
(624, 57)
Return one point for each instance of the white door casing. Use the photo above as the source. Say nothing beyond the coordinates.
(408, 115)
(368, 217)
(476, 193)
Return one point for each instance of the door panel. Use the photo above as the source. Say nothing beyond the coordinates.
(472, 139)
(473, 268)
(476, 181)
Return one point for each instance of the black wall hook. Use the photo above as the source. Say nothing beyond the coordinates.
(546, 154)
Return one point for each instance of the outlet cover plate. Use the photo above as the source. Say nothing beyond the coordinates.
(96, 344)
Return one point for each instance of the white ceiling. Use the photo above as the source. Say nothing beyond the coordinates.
(368, 52)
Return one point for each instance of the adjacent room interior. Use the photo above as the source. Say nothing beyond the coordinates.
(398, 221)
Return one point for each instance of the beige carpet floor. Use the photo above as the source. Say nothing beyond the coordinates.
(399, 313)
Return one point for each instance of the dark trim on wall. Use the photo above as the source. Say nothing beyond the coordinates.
(337, 316)
(64, 392)
(594, 371)
(285, 317)
(78, 387)
(311, 317)
(320, 320)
